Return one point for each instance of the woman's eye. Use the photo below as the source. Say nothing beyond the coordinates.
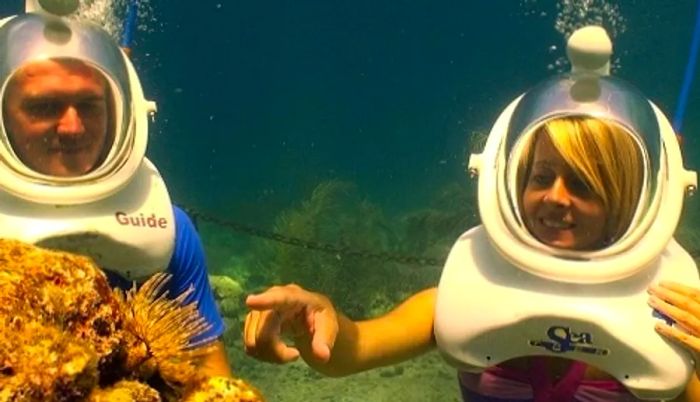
(578, 187)
(541, 179)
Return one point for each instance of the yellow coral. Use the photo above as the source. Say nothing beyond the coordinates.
(66, 336)
(125, 391)
(162, 329)
(217, 389)
(40, 360)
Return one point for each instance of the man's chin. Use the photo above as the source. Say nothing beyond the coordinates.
(67, 169)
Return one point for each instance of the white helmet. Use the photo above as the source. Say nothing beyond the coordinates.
(588, 91)
(37, 37)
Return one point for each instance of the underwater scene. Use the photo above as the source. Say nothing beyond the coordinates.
(327, 143)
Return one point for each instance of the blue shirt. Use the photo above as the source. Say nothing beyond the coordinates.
(187, 266)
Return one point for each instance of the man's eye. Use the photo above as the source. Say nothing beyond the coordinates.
(90, 107)
(44, 109)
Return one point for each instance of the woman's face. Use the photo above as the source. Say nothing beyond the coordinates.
(558, 207)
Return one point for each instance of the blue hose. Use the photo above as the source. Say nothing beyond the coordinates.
(688, 78)
(129, 25)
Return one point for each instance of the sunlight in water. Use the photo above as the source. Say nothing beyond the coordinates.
(573, 14)
(110, 14)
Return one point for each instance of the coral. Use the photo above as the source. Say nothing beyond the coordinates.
(228, 294)
(65, 335)
(158, 333)
(125, 391)
(225, 287)
(50, 363)
(222, 389)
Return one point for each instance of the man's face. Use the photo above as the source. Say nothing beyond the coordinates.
(56, 117)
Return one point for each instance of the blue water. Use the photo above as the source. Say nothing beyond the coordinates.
(262, 100)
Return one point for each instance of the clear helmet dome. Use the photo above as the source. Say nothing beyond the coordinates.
(581, 179)
(68, 130)
(600, 137)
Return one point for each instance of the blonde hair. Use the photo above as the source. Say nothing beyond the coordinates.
(604, 156)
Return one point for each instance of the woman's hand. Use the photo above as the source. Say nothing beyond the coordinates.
(681, 304)
(309, 318)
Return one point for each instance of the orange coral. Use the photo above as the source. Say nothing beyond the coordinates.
(125, 391)
(222, 389)
(65, 335)
(160, 330)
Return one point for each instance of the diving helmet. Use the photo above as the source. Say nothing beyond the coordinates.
(95, 81)
(643, 153)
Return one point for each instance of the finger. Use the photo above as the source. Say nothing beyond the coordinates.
(282, 297)
(681, 296)
(325, 331)
(689, 341)
(249, 331)
(269, 344)
(268, 327)
(263, 344)
(283, 353)
(680, 288)
(275, 301)
(684, 318)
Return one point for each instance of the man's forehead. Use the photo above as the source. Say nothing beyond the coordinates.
(47, 68)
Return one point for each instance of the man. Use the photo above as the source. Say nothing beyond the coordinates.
(73, 174)
(57, 117)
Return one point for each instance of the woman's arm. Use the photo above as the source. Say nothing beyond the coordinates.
(330, 342)
(692, 392)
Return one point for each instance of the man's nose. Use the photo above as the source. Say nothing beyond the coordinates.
(70, 122)
(558, 193)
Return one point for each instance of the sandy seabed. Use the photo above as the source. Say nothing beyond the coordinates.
(426, 378)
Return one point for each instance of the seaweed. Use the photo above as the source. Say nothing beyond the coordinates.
(348, 244)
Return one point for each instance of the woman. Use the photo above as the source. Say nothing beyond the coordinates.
(590, 163)
(579, 184)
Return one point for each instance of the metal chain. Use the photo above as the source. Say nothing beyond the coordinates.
(314, 245)
(328, 247)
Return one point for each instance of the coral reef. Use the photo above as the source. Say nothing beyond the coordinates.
(65, 335)
(217, 389)
(228, 293)
(125, 391)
